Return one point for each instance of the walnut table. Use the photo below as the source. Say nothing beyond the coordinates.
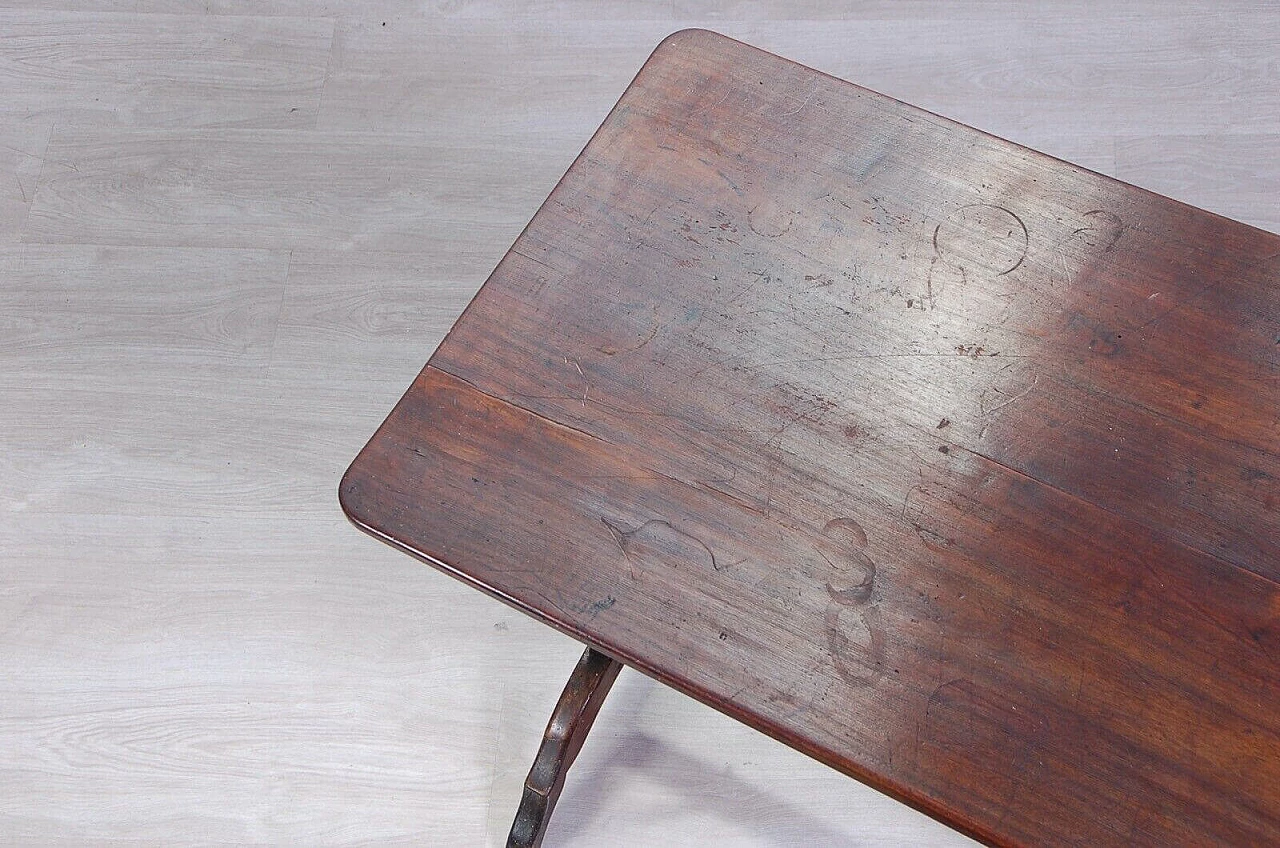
(945, 462)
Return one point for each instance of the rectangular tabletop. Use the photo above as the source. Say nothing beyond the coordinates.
(948, 463)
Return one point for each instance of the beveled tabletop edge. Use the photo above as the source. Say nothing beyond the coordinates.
(905, 794)
(902, 793)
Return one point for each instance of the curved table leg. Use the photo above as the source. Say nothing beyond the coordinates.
(574, 714)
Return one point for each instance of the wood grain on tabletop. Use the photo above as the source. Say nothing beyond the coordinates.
(230, 234)
(948, 463)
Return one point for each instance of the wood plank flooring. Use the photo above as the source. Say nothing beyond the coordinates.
(230, 235)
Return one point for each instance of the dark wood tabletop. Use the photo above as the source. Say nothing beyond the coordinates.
(948, 463)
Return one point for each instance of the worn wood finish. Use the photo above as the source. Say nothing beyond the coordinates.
(570, 723)
(945, 462)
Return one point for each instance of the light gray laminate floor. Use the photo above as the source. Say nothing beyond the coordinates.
(230, 234)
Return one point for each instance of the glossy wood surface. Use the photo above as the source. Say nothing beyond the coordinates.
(945, 462)
(198, 645)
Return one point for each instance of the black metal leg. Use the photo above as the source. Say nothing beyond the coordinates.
(574, 714)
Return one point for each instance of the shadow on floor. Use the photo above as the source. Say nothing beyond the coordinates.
(702, 784)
